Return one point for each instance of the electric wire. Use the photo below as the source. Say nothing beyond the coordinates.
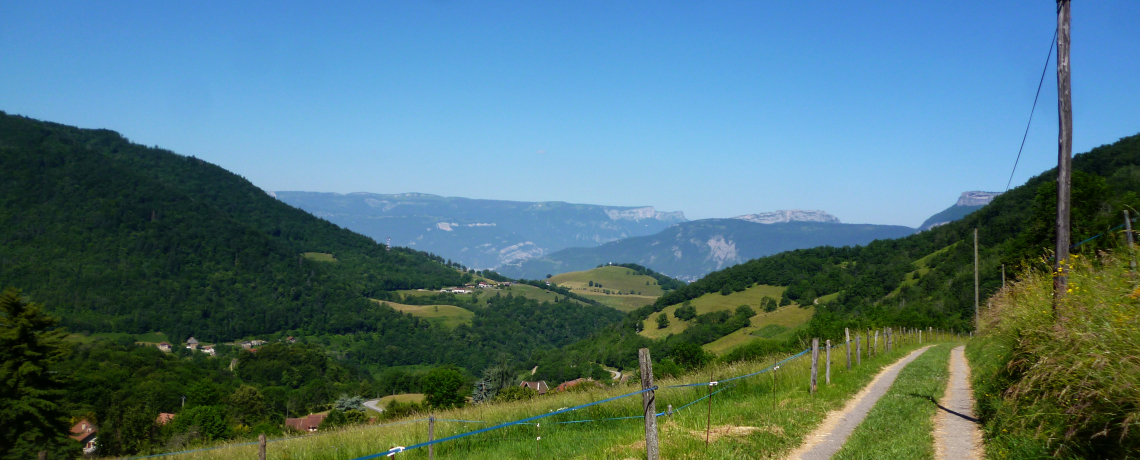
(1048, 57)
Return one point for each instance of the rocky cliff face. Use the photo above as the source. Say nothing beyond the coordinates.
(647, 212)
(793, 215)
(976, 198)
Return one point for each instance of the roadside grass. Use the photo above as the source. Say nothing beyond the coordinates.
(901, 425)
(612, 278)
(319, 256)
(749, 420)
(713, 301)
(1062, 384)
(445, 315)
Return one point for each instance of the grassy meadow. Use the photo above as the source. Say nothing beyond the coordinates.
(788, 318)
(401, 398)
(445, 315)
(636, 290)
(755, 417)
(531, 292)
(777, 325)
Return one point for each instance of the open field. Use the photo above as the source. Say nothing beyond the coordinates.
(401, 398)
(612, 278)
(714, 302)
(755, 417)
(624, 303)
(445, 315)
(784, 322)
(531, 292)
(319, 256)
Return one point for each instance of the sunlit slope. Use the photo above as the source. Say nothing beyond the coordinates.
(618, 287)
(444, 315)
(711, 302)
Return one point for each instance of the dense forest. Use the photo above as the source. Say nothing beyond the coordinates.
(116, 237)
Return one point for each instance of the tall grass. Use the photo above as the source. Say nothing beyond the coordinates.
(1064, 383)
(749, 420)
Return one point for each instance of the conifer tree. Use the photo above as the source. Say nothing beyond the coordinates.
(31, 417)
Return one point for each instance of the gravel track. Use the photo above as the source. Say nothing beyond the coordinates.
(956, 433)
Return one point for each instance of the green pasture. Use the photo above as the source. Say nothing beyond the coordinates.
(446, 315)
(612, 278)
(715, 302)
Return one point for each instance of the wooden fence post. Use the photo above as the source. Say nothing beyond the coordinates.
(847, 334)
(876, 342)
(858, 350)
(814, 363)
(828, 372)
(648, 400)
(261, 446)
(431, 437)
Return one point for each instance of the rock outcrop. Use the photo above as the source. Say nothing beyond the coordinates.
(792, 215)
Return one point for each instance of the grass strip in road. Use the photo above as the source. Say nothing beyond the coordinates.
(901, 425)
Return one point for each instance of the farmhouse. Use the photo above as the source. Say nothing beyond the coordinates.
(539, 386)
(308, 423)
(85, 433)
(247, 345)
(209, 350)
(192, 343)
(163, 346)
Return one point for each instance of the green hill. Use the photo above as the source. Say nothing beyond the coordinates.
(616, 286)
(926, 279)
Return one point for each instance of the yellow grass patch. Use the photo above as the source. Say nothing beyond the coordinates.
(446, 315)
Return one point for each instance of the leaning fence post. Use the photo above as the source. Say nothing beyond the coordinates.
(920, 336)
(858, 350)
(648, 400)
(260, 446)
(431, 437)
(827, 374)
(814, 363)
(847, 333)
(1128, 233)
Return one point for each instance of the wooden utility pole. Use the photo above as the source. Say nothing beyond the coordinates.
(977, 321)
(1064, 154)
(648, 400)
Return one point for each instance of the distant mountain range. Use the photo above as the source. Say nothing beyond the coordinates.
(481, 233)
(967, 203)
(690, 250)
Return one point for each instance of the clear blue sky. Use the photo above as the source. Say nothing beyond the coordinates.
(879, 112)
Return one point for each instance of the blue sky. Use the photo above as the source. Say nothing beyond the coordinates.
(878, 112)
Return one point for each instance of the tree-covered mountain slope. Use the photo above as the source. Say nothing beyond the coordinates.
(881, 283)
(114, 236)
(690, 250)
(481, 233)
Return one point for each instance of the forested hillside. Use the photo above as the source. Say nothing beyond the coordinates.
(927, 279)
(114, 236)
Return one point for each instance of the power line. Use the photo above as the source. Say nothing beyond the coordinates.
(1048, 56)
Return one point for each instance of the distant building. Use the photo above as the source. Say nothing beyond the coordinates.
(209, 350)
(292, 339)
(539, 386)
(163, 418)
(163, 346)
(192, 343)
(85, 433)
(257, 343)
(308, 423)
(247, 345)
